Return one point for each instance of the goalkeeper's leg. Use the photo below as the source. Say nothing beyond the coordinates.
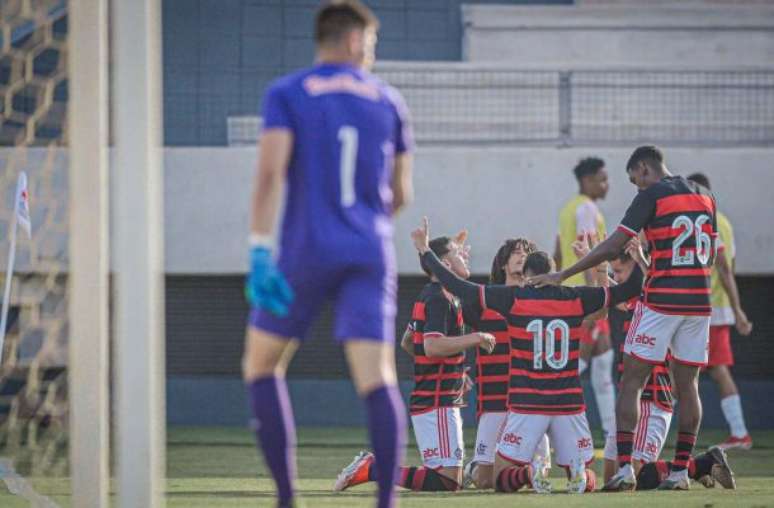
(372, 364)
(264, 364)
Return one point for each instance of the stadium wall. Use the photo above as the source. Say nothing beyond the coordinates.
(313, 399)
(494, 192)
(473, 187)
(672, 34)
(205, 322)
(206, 196)
(220, 54)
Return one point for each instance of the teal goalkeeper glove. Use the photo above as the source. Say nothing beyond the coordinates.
(266, 287)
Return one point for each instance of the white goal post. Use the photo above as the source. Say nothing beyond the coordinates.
(139, 297)
(89, 263)
(137, 249)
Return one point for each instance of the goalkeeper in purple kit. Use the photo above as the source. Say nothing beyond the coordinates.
(336, 143)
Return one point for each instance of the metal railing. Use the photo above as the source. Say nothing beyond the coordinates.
(465, 104)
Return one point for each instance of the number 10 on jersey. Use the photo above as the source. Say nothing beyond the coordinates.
(544, 344)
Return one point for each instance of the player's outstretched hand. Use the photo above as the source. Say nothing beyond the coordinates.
(461, 237)
(266, 287)
(421, 236)
(547, 279)
(486, 341)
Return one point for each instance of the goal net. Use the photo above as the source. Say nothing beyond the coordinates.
(33, 373)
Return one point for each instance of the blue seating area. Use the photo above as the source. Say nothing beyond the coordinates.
(220, 54)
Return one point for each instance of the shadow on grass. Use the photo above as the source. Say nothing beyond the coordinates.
(226, 444)
(328, 494)
(263, 495)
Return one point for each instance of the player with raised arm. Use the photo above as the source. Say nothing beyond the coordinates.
(492, 369)
(439, 352)
(580, 218)
(726, 311)
(678, 217)
(545, 394)
(336, 142)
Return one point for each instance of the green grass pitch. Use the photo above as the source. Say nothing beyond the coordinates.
(218, 467)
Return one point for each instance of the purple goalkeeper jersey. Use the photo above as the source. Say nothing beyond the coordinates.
(347, 127)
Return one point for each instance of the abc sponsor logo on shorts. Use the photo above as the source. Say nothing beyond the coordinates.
(651, 448)
(458, 454)
(481, 448)
(429, 453)
(645, 340)
(512, 438)
(584, 442)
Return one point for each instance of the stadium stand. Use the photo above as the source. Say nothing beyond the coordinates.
(534, 117)
(534, 113)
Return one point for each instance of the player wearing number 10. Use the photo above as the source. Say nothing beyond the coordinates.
(544, 393)
(339, 139)
(678, 217)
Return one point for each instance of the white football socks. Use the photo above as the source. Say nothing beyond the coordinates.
(604, 391)
(732, 410)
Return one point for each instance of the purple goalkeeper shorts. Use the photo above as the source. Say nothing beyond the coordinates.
(363, 296)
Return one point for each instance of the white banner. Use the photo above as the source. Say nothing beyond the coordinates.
(22, 204)
(21, 215)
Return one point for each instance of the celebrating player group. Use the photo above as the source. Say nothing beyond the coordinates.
(337, 142)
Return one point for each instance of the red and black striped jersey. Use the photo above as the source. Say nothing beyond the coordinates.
(678, 217)
(438, 381)
(492, 369)
(659, 386)
(544, 328)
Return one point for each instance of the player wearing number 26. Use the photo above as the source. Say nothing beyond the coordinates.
(335, 143)
(678, 219)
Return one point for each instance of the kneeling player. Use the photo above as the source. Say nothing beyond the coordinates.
(492, 369)
(656, 405)
(438, 350)
(545, 393)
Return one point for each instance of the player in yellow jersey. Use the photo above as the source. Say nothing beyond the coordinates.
(726, 311)
(580, 218)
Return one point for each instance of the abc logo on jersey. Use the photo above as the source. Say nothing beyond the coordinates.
(512, 438)
(584, 442)
(645, 340)
(429, 453)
